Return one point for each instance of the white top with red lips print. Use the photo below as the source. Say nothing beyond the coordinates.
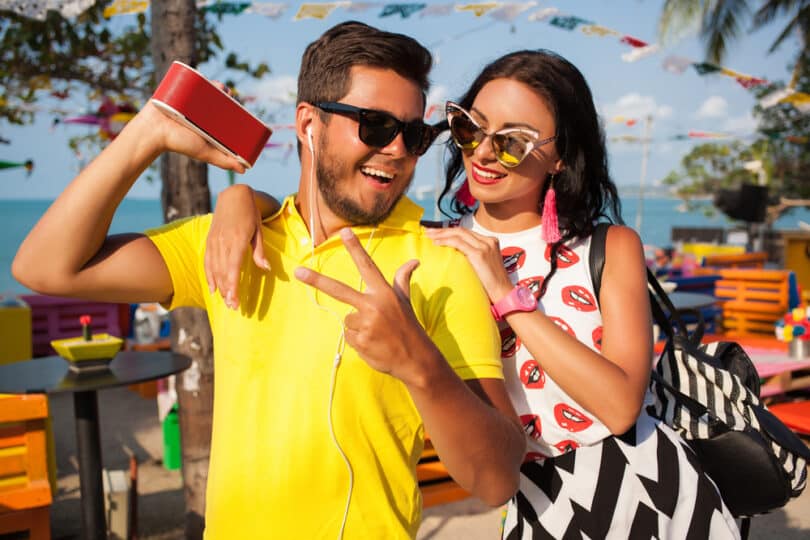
(553, 421)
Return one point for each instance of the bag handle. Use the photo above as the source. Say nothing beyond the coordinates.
(658, 298)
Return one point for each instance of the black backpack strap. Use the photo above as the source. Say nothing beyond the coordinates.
(596, 257)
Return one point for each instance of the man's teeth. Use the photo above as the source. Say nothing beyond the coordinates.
(381, 175)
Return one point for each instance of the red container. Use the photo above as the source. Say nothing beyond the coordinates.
(188, 97)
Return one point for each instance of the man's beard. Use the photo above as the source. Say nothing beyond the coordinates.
(327, 170)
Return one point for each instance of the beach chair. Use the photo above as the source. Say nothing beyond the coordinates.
(434, 481)
(25, 492)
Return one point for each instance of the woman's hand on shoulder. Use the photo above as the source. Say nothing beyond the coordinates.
(236, 224)
(484, 254)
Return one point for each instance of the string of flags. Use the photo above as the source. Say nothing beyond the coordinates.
(710, 135)
(500, 11)
(28, 165)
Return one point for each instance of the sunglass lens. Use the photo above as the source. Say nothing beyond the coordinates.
(416, 138)
(466, 134)
(377, 129)
(509, 150)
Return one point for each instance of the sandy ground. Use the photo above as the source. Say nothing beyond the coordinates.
(130, 422)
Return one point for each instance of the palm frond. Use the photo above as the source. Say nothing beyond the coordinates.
(679, 16)
(722, 26)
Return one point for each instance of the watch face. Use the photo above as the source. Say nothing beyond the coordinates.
(525, 297)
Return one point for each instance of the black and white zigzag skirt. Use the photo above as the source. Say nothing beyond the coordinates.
(645, 484)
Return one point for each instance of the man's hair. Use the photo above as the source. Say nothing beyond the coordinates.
(325, 73)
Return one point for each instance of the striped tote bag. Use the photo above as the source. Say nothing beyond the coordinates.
(709, 393)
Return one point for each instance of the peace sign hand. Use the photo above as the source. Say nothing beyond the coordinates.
(383, 328)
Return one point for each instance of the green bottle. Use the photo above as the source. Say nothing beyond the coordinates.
(171, 440)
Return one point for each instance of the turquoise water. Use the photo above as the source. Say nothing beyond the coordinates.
(659, 216)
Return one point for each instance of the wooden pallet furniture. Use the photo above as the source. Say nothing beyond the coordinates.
(25, 492)
(752, 300)
(434, 481)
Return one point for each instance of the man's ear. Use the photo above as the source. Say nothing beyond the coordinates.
(305, 122)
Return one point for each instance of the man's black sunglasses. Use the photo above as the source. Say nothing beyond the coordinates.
(378, 128)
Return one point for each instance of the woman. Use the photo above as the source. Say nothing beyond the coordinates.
(526, 136)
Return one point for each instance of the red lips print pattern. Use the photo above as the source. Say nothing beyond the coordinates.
(571, 419)
(513, 258)
(510, 343)
(534, 284)
(532, 426)
(578, 298)
(565, 256)
(532, 375)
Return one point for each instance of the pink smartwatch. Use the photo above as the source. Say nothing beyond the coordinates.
(519, 299)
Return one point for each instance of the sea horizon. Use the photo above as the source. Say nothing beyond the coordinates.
(659, 215)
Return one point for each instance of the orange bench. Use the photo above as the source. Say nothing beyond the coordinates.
(434, 481)
(752, 300)
(755, 259)
(25, 492)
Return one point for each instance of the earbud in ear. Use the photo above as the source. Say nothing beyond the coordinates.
(309, 137)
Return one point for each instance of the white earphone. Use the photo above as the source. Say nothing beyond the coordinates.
(309, 138)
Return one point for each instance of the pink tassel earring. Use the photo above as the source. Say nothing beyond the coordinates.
(464, 196)
(551, 231)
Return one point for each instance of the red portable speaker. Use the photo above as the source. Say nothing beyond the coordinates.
(187, 96)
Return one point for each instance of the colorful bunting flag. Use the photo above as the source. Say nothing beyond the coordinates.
(707, 135)
(704, 68)
(640, 52)
(125, 7)
(28, 165)
(226, 8)
(478, 9)
(597, 30)
(437, 9)
(633, 42)
(567, 22)
(800, 100)
(403, 10)
(317, 11)
(676, 64)
(543, 14)
(360, 7)
(273, 10)
(509, 12)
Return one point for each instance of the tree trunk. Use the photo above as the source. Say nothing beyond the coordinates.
(185, 193)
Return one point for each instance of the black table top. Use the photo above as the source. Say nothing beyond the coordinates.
(52, 374)
(690, 300)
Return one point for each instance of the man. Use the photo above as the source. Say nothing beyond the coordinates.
(340, 356)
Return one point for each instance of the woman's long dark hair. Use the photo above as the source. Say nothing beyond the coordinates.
(585, 192)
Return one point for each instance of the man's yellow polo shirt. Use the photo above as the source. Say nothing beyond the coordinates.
(275, 470)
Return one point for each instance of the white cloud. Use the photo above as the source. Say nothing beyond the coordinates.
(743, 125)
(280, 89)
(634, 105)
(713, 107)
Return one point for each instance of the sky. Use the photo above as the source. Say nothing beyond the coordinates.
(462, 44)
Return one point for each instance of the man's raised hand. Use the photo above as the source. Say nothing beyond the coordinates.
(383, 328)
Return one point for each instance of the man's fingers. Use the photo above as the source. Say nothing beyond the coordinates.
(209, 274)
(371, 275)
(402, 279)
(258, 250)
(334, 288)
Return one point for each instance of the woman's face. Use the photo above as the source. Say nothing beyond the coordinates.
(501, 104)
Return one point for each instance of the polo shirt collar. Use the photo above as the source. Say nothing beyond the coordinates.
(404, 217)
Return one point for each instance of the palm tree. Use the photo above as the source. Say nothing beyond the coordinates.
(721, 22)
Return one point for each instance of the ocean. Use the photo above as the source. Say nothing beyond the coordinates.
(658, 217)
